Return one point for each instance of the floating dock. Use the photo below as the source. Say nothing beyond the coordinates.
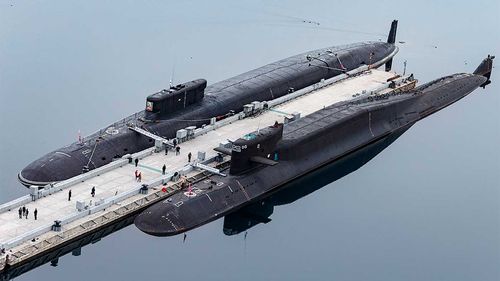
(117, 193)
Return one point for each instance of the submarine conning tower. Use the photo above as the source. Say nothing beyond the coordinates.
(255, 148)
(178, 97)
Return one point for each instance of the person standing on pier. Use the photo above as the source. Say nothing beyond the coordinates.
(189, 157)
(69, 195)
(24, 210)
(175, 142)
(20, 212)
(136, 161)
(92, 192)
(35, 213)
(27, 212)
(163, 169)
(177, 150)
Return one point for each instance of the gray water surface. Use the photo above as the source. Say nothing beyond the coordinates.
(426, 208)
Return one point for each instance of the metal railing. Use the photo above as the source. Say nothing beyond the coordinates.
(15, 203)
(53, 188)
(104, 219)
(99, 206)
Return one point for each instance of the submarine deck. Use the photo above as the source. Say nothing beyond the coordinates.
(117, 192)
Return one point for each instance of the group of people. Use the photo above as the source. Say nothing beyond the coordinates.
(177, 148)
(24, 212)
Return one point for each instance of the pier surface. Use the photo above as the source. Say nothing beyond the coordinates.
(117, 192)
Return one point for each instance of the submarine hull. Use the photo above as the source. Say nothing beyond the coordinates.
(266, 83)
(187, 218)
(306, 144)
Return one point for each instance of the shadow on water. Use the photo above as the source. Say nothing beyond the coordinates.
(260, 212)
(236, 222)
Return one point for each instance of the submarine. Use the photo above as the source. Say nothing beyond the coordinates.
(195, 103)
(267, 159)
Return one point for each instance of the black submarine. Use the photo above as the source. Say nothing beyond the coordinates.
(265, 160)
(195, 104)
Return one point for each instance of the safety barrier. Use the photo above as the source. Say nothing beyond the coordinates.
(15, 203)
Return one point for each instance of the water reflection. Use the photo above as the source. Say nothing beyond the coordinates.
(260, 212)
(236, 222)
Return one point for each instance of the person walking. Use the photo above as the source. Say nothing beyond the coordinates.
(136, 174)
(35, 213)
(177, 150)
(20, 212)
(139, 177)
(27, 212)
(189, 157)
(69, 195)
(92, 192)
(24, 210)
(175, 142)
(163, 169)
(136, 161)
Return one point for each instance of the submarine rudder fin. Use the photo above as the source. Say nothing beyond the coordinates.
(391, 39)
(484, 69)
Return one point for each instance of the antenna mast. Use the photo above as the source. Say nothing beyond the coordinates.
(171, 82)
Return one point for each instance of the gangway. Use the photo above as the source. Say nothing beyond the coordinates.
(208, 169)
(150, 135)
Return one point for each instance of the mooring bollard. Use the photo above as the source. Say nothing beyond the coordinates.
(56, 226)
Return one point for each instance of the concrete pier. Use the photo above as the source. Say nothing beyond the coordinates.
(117, 192)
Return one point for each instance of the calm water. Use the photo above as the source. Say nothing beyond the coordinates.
(426, 208)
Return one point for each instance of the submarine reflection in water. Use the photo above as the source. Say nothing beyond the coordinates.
(259, 212)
